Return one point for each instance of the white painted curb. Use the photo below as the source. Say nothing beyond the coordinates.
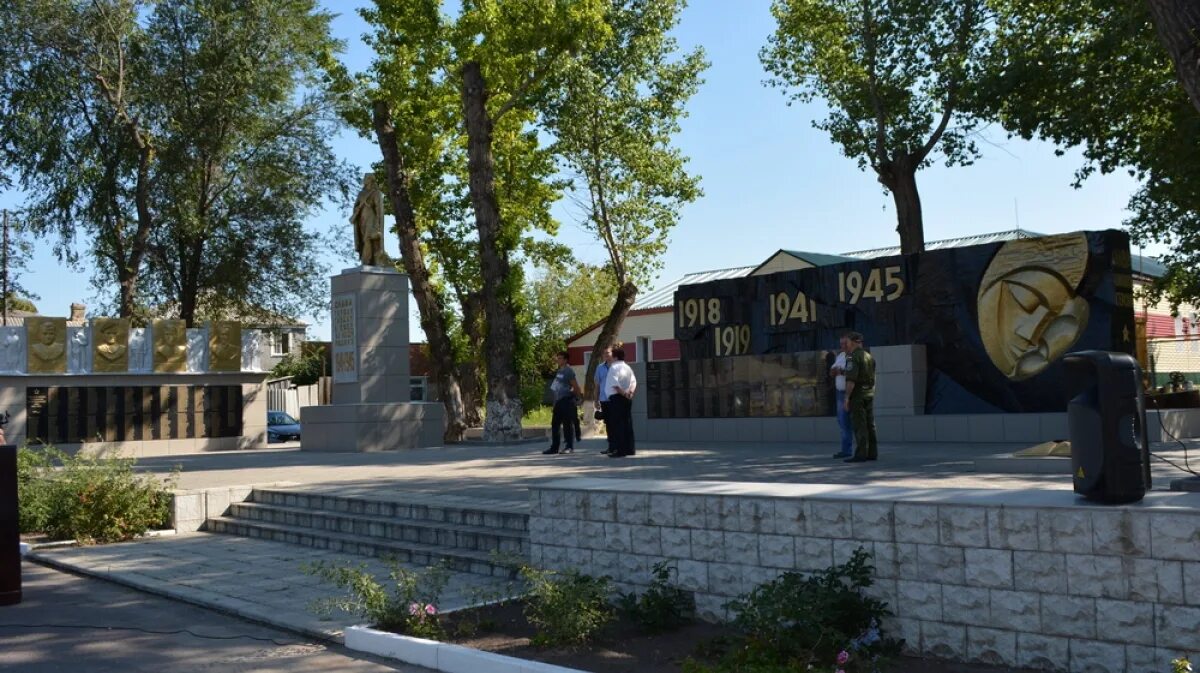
(441, 656)
(24, 548)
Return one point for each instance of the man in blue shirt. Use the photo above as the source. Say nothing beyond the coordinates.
(567, 396)
(602, 394)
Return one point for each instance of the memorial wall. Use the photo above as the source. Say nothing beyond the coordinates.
(107, 382)
(995, 321)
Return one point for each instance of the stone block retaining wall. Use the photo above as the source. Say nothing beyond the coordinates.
(1035, 579)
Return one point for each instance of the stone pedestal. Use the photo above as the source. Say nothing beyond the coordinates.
(901, 374)
(371, 408)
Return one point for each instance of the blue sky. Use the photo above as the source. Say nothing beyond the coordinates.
(770, 180)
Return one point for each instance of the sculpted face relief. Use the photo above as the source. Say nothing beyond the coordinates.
(47, 345)
(1029, 312)
(111, 353)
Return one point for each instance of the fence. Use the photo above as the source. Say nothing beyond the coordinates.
(283, 396)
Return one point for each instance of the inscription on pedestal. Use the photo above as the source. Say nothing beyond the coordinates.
(345, 340)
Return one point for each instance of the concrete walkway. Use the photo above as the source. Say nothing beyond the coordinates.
(250, 578)
(83, 625)
(504, 472)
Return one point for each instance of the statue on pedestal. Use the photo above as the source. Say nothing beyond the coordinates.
(367, 219)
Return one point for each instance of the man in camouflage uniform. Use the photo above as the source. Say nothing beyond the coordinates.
(860, 399)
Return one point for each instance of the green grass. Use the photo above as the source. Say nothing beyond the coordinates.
(537, 416)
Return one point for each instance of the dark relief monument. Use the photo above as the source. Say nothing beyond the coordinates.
(994, 319)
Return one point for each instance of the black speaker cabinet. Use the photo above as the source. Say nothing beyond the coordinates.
(10, 552)
(1110, 458)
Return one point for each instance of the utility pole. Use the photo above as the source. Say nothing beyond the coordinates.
(4, 264)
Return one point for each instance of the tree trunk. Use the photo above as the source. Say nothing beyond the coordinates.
(433, 321)
(128, 284)
(503, 420)
(470, 373)
(900, 178)
(1178, 25)
(626, 295)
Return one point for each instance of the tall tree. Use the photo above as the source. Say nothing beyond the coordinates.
(74, 128)
(509, 50)
(182, 142)
(244, 123)
(613, 122)
(895, 74)
(1092, 74)
(1178, 25)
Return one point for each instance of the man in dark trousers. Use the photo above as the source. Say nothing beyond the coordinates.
(860, 399)
(602, 395)
(567, 396)
(622, 385)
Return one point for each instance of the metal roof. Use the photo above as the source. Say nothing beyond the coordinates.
(819, 258)
(961, 241)
(664, 296)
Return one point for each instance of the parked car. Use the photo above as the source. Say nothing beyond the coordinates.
(281, 427)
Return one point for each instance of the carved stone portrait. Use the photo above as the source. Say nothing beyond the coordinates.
(170, 346)
(367, 219)
(12, 349)
(224, 346)
(1029, 312)
(47, 339)
(111, 353)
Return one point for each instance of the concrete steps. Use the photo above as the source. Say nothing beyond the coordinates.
(477, 536)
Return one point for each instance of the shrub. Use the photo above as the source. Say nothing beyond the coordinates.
(663, 607)
(409, 608)
(823, 621)
(1181, 665)
(88, 498)
(566, 608)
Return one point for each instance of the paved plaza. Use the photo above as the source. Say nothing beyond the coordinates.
(84, 625)
(505, 472)
(255, 579)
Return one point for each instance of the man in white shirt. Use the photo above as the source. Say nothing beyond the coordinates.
(602, 396)
(838, 371)
(621, 384)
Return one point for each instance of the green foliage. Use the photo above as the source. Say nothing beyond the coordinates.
(305, 365)
(537, 414)
(1092, 74)
(797, 622)
(409, 606)
(613, 123)
(889, 71)
(562, 301)
(662, 607)
(88, 498)
(182, 143)
(566, 608)
(18, 303)
(1181, 665)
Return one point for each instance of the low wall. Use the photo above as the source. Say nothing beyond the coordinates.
(190, 508)
(1029, 578)
(1168, 425)
(253, 412)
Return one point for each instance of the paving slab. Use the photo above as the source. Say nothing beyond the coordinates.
(86, 625)
(506, 472)
(254, 579)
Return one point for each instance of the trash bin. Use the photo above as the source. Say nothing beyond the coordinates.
(10, 535)
(1110, 455)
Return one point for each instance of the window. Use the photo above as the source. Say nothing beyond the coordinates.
(281, 343)
(587, 359)
(417, 387)
(643, 349)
